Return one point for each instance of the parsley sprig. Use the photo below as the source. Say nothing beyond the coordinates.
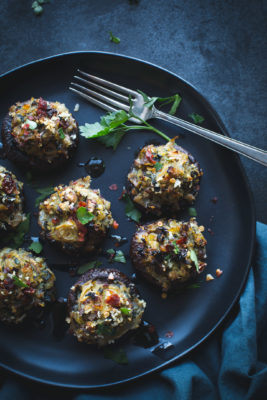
(112, 126)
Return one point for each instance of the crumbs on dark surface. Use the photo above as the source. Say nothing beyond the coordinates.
(114, 186)
(169, 334)
(214, 199)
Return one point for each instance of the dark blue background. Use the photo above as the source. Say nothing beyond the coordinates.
(218, 46)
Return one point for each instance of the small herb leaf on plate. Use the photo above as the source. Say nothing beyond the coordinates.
(44, 192)
(130, 209)
(192, 211)
(198, 119)
(36, 247)
(113, 38)
(15, 239)
(85, 267)
(117, 355)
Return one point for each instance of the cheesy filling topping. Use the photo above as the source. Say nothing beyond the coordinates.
(11, 207)
(163, 175)
(43, 129)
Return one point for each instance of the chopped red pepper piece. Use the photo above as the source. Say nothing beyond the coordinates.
(82, 204)
(55, 220)
(113, 300)
(182, 240)
(150, 157)
(8, 184)
(115, 225)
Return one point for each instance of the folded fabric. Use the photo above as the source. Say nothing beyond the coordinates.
(231, 364)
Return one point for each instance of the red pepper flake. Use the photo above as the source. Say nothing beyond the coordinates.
(214, 200)
(122, 194)
(114, 186)
(169, 334)
(42, 108)
(218, 272)
(182, 240)
(115, 225)
(113, 300)
(8, 184)
(55, 220)
(150, 157)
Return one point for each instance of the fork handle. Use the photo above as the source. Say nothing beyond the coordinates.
(247, 150)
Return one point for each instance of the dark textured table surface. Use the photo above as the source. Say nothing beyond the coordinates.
(218, 46)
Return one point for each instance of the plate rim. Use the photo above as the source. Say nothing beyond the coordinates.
(225, 132)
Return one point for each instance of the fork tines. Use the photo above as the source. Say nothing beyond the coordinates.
(88, 81)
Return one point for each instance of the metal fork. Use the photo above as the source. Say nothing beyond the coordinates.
(118, 99)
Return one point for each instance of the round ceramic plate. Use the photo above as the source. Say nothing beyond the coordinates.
(190, 316)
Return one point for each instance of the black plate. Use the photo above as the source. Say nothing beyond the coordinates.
(192, 316)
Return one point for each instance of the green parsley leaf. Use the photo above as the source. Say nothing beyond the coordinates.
(84, 216)
(150, 101)
(107, 124)
(192, 211)
(15, 239)
(85, 267)
(176, 249)
(130, 209)
(45, 192)
(19, 283)
(198, 119)
(125, 310)
(36, 247)
(118, 256)
(118, 355)
(37, 9)
(193, 257)
(111, 251)
(113, 139)
(113, 38)
(61, 133)
(158, 166)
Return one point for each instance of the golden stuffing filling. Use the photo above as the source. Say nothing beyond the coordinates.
(43, 129)
(170, 250)
(72, 212)
(25, 282)
(11, 203)
(163, 176)
(104, 311)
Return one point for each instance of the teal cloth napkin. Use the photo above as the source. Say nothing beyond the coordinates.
(231, 364)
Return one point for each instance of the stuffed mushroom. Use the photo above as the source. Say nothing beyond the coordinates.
(103, 305)
(169, 253)
(163, 179)
(26, 285)
(75, 217)
(11, 201)
(40, 134)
